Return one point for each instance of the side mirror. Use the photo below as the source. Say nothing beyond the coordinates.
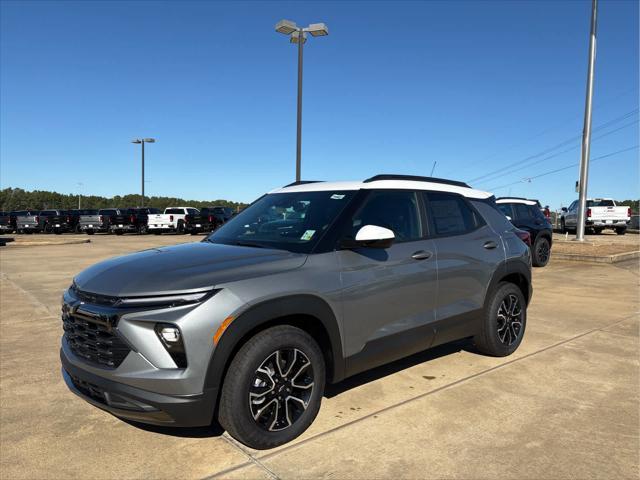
(370, 236)
(564, 209)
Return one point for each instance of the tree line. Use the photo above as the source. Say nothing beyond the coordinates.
(19, 199)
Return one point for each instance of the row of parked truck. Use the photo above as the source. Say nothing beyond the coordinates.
(116, 220)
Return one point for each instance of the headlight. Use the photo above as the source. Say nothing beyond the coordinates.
(167, 301)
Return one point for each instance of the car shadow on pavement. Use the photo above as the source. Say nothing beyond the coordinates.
(398, 365)
(213, 430)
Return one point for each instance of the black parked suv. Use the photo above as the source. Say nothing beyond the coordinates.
(132, 220)
(527, 215)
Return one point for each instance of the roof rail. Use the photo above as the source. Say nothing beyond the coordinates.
(416, 178)
(513, 198)
(302, 182)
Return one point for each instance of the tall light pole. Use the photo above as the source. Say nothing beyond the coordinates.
(586, 132)
(79, 184)
(142, 141)
(299, 35)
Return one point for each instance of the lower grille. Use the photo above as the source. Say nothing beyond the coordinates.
(97, 343)
(89, 389)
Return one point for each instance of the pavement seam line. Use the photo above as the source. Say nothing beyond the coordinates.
(425, 394)
(30, 296)
(252, 460)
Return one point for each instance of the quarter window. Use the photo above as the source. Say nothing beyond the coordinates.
(450, 214)
(522, 211)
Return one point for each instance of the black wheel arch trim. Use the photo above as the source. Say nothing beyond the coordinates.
(268, 313)
(509, 268)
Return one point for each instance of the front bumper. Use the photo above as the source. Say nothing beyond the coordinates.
(139, 405)
(123, 228)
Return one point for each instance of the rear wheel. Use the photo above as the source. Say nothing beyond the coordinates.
(541, 252)
(621, 231)
(180, 229)
(504, 322)
(273, 388)
(118, 232)
(90, 232)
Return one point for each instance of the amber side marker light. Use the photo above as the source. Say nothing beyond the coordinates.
(223, 326)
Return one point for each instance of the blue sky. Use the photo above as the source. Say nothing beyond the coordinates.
(475, 86)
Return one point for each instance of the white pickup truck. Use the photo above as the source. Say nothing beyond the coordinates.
(601, 213)
(172, 220)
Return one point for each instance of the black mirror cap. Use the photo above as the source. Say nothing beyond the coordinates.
(350, 243)
(564, 209)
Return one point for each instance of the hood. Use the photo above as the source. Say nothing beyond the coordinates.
(183, 267)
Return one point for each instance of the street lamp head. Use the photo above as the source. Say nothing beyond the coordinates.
(136, 140)
(150, 140)
(295, 37)
(317, 29)
(286, 27)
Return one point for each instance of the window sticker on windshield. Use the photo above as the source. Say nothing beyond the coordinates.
(307, 235)
(337, 196)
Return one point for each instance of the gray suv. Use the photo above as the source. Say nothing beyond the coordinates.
(312, 283)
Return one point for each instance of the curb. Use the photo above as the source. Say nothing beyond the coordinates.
(619, 257)
(45, 244)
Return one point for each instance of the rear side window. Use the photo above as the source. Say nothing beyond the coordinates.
(450, 214)
(192, 211)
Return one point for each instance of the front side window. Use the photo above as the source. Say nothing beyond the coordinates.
(506, 209)
(287, 221)
(522, 211)
(396, 210)
(450, 214)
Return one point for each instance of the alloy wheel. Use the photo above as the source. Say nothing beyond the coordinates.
(509, 319)
(543, 252)
(281, 389)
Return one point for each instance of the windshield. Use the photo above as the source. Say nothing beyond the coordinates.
(284, 221)
(600, 203)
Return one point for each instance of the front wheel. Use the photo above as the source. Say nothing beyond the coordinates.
(503, 322)
(621, 231)
(273, 388)
(541, 252)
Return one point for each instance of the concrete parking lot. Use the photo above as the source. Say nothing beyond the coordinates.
(565, 405)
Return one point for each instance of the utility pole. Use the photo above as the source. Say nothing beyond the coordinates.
(586, 132)
(142, 141)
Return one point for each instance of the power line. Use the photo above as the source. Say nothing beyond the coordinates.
(555, 147)
(528, 179)
(546, 130)
(508, 172)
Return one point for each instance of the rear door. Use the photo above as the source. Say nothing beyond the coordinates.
(468, 252)
(389, 295)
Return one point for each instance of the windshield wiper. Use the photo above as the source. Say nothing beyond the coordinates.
(248, 244)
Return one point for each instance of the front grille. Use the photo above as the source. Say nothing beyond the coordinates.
(94, 298)
(97, 343)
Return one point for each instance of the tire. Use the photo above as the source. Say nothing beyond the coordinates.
(90, 232)
(500, 341)
(157, 232)
(597, 231)
(563, 227)
(541, 252)
(46, 229)
(142, 230)
(240, 394)
(180, 230)
(621, 231)
(118, 232)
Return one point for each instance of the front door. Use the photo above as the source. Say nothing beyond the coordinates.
(389, 295)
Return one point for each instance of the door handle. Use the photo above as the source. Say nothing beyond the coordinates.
(490, 245)
(421, 255)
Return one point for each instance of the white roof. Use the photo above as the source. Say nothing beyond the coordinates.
(384, 184)
(516, 200)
